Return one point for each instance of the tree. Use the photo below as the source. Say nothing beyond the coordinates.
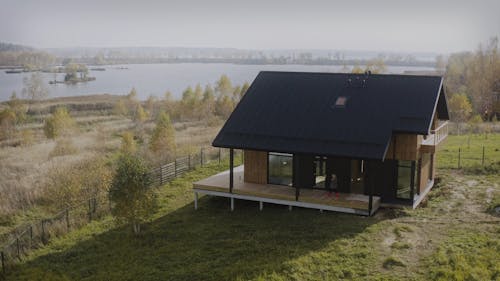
(11, 117)
(236, 94)
(7, 123)
(440, 63)
(120, 108)
(376, 66)
(163, 138)
(129, 146)
(58, 124)
(224, 106)
(474, 123)
(244, 89)
(34, 88)
(460, 109)
(72, 70)
(132, 103)
(357, 70)
(208, 102)
(152, 106)
(170, 105)
(476, 73)
(133, 201)
(223, 86)
(140, 115)
(17, 106)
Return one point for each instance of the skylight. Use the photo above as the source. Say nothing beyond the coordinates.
(340, 101)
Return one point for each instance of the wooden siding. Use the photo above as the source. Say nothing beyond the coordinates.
(255, 166)
(407, 147)
(424, 171)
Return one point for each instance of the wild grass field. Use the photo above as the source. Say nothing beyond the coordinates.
(28, 171)
(454, 235)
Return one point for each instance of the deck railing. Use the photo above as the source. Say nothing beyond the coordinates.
(437, 135)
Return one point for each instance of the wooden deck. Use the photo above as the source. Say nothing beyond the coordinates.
(218, 185)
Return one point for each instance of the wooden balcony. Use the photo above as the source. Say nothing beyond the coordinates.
(437, 135)
(218, 185)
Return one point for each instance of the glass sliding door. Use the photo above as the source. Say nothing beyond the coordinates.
(405, 170)
(319, 172)
(280, 168)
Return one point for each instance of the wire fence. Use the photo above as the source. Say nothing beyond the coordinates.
(24, 239)
(467, 157)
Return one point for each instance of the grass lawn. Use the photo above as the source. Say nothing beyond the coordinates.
(452, 236)
(471, 150)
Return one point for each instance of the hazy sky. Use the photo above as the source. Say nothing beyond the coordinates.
(382, 25)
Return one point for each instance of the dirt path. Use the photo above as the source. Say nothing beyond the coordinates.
(458, 203)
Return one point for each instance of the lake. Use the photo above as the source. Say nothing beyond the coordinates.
(156, 79)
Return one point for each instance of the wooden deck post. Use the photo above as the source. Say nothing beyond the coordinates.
(370, 200)
(231, 168)
(196, 200)
(232, 204)
(412, 181)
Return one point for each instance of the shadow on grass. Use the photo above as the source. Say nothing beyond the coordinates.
(211, 243)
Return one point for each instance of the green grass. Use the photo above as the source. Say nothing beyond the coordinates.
(391, 262)
(213, 243)
(466, 255)
(471, 150)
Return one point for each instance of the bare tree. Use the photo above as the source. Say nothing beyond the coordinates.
(34, 89)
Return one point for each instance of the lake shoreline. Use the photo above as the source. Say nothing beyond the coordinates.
(156, 79)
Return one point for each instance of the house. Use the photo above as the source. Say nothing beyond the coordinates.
(333, 141)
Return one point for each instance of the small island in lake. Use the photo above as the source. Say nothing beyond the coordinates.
(75, 73)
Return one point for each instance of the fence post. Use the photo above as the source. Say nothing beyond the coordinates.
(18, 248)
(90, 210)
(189, 161)
(67, 219)
(3, 262)
(43, 232)
(201, 156)
(482, 162)
(219, 155)
(31, 236)
(175, 168)
(459, 157)
(161, 175)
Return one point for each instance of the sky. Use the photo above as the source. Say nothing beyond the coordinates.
(380, 25)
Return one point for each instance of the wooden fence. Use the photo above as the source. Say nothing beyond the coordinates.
(23, 239)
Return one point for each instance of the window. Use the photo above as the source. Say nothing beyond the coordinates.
(405, 179)
(319, 172)
(280, 168)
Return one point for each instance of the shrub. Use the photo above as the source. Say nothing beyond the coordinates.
(133, 199)
(68, 185)
(63, 147)
(163, 138)
(58, 124)
(129, 145)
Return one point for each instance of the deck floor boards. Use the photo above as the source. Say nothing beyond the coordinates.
(220, 183)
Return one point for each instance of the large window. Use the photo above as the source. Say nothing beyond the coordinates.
(319, 172)
(280, 168)
(405, 179)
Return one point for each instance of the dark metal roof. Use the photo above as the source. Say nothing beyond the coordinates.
(295, 112)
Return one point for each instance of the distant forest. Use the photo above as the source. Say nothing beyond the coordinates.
(28, 57)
